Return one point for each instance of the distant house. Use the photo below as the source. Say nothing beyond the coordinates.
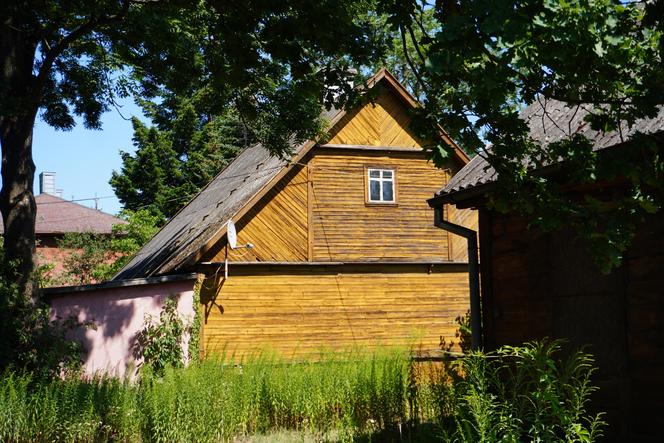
(344, 252)
(536, 285)
(57, 217)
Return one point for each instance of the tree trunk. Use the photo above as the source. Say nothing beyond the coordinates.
(19, 102)
(17, 202)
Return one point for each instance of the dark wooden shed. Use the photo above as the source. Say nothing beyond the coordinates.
(536, 285)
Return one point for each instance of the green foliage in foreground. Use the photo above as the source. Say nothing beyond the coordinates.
(29, 338)
(518, 394)
(160, 340)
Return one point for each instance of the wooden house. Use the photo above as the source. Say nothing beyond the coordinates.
(536, 284)
(344, 252)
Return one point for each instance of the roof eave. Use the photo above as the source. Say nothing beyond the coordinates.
(461, 196)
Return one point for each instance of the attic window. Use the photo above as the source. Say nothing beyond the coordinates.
(381, 185)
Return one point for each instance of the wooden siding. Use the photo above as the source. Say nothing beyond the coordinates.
(346, 228)
(318, 211)
(459, 245)
(297, 310)
(538, 285)
(381, 123)
(277, 226)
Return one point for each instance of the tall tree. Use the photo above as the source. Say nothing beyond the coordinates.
(74, 58)
(486, 60)
(171, 164)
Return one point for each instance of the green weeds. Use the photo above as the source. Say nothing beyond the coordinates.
(379, 397)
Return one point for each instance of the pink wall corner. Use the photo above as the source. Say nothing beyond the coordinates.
(118, 315)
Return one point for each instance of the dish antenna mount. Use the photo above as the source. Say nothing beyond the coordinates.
(231, 235)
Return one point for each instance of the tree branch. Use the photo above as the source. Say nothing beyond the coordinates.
(416, 44)
(418, 77)
(54, 52)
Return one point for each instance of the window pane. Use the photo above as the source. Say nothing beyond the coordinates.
(374, 190)
(388, 191)
(387, 174)
(374, 173)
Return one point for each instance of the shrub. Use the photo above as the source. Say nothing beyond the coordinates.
(160, 341)
(29, 340)
(522, 393)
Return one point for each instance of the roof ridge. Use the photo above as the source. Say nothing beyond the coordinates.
(181, 241)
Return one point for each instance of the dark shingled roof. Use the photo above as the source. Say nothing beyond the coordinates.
(549, 121)
(59, 216)
(192, 227)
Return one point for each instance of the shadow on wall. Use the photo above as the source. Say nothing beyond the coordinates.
(117, 315)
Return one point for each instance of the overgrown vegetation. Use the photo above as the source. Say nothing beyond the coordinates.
(522, 394)
(517, 394)
(92, 257)
(29, 339)
(161, 340)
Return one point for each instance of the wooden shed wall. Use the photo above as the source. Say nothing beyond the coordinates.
(297, 310)
(318, 211)
(346, 228)
(539, 285)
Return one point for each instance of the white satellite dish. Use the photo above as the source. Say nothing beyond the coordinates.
(231, 234)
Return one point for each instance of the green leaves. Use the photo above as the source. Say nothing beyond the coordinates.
(525, 393)
(487, 60)
(160, 342)
(174, 160)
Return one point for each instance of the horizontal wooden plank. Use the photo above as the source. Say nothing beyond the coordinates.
(294, 312)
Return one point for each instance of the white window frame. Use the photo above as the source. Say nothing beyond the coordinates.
(382, 180)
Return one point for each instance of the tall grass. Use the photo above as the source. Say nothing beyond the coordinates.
(337, 398)
(212, 401)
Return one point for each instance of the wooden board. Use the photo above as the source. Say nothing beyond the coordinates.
(296, 311)
(276, 226)
(458, 244)
(346, 228)
(385, 122)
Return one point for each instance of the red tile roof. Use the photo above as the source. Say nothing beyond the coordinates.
(58, 216)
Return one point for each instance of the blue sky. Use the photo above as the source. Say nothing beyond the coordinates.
(83, 159)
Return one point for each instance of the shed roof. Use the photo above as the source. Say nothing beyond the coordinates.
(202, 222)
(549, 122)
(56, 215)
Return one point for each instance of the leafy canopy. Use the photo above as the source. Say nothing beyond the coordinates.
(271, 61)
(486, 60)
(274, 63)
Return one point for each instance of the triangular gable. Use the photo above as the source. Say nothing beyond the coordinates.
(197, 227)
(382, 122)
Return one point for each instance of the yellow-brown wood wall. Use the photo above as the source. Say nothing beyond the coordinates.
(277, 226)
(346, 228)
(318, 211)
(299, 310)
(384, 122)
(458, 244)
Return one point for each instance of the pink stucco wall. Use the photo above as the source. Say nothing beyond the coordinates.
(119, 314)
